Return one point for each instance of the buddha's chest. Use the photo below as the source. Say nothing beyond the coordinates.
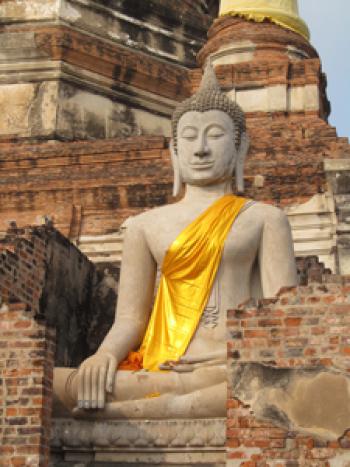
(232, 282)
(241, 244)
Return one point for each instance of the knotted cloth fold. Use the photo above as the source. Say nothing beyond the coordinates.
(188, 273)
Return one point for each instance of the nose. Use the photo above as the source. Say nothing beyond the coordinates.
(202, 149)
(202, 153)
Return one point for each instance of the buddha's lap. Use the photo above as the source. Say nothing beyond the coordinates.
(131, 385)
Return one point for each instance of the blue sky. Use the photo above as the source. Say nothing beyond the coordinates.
(329, 23)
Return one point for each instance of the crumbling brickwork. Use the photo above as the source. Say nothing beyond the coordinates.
(271, 39)
(310, 269)
(22, 267)
(46, 283)
(300, 339)
(55, 281)
(27, 349)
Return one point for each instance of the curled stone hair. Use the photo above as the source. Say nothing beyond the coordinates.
(210, 97)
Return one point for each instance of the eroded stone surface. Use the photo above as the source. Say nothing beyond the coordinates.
(314, 401)
(28, 109)
(16, 101)
(17, 10)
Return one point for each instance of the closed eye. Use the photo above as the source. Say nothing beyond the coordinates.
(189, 133)
(189, 137)
(215, 132)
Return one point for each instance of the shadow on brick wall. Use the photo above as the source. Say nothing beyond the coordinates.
(55, 280)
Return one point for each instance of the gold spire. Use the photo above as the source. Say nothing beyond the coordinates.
(282, 12)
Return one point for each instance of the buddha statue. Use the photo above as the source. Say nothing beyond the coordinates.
(165, 357)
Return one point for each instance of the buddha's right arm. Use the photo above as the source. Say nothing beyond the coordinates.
(135, 298)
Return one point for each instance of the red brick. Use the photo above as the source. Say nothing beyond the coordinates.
(23, 324)
(252, 333)
(233, 443)
(6, 450)
(28, 449)
(233, 404)
(236, 455)
(18, 461)
(293, 322)
(11, 412)
(269, 322)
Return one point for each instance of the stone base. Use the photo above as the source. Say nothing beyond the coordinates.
(143, 442)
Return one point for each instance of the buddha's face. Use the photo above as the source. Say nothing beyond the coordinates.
(205, 146)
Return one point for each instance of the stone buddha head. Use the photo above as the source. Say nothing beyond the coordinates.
(209, 142)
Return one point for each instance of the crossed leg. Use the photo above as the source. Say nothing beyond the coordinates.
(199, 393)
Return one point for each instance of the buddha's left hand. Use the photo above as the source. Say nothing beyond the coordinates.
(187, 364)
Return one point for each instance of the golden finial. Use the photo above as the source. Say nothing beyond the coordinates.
(285, 13)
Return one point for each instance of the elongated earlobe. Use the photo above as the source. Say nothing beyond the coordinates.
(242, 153)
(177, 185)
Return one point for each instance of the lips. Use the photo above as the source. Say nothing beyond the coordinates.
(206, 165)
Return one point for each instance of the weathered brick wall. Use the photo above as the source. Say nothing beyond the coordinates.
(271, 39)
(123, 66)
(26, 367)
(22, 266)
(310, 269)
(90, 188)
(46, 283)
(85, 187)
(289, 155)
(303, 335)
(42, 269)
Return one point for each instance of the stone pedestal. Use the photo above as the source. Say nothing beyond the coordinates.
(140, 442)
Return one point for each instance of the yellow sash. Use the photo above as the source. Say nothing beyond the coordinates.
(188, 272)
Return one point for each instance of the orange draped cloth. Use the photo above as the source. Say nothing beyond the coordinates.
(188, 272)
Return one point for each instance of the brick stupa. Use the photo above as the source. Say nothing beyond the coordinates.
(87, 90)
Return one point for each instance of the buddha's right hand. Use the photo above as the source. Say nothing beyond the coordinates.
(95, 378)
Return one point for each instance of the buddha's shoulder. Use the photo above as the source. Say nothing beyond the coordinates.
(150, 217)
(266, 213)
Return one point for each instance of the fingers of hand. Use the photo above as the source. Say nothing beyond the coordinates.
(112, 363)
(101, 395)
(192, 360)
(81, 388)
(179, 366)
(94, 386)
(87, 388)
(95, 377)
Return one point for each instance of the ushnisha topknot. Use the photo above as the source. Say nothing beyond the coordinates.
(210, 97)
